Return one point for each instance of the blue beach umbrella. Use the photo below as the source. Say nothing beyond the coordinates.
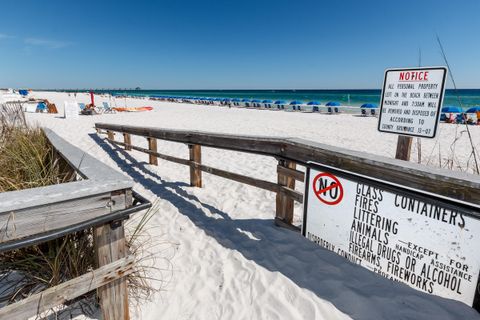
(280, 102)
(295, 102)
(369, 106)
(333, 104)
(256, 100)
(245, 100)
(236, 100)
(267, 101)
(313, 103)
(452, 109)
(473, 109)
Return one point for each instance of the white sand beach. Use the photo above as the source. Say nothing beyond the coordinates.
(220, 255)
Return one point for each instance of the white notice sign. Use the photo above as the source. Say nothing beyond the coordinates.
(71, 109)
(411, 101)
(429, 245)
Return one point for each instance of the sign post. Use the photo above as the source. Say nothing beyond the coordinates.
(405, 235)
(410, 104)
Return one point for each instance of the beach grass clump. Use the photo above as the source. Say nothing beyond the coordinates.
(27, 160)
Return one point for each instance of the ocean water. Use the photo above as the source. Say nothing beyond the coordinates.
(468, 97)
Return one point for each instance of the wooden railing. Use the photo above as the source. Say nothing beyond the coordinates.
(289, 152)
(102, 198)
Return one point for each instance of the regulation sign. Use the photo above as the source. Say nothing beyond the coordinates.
(411, 101)
(70, 110)
(427, 243)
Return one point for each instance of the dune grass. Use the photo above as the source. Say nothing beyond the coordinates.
(27, 160)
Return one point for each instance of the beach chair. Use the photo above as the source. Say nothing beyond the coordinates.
(107, 108)
(41, 107)
(443, 117)
(316, 109)
(460, 118)
(81, 106)
(373, 112)
(364, 112)
(329, 110)
(336, 110)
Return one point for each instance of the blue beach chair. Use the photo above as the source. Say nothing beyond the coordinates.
(41, 107)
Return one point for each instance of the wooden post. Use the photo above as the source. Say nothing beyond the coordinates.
(284, 205)
(110, 245)
(127, 139)
(404, 146)
(152, 146)
(195, 173)
(110, 135)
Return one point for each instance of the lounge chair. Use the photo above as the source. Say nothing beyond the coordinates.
(41, 107)
(329, 110)
(336, 110)
(373, 112)
(443, 117)
(107, 108)
(364, 112)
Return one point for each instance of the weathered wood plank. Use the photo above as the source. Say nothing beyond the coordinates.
(404, 148)
(127, 139)
(154, 153)
(152, 146)
(262, 184)
(35, 220)
(195, 153)
(52, 297)
(284, 205)
(101, 179)
(110, 245)
(295, 174)
(453, 184)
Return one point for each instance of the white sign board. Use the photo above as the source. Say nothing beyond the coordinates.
(427, 244)
(412, 100)
(71, 109)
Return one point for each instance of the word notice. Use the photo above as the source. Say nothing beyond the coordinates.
(411, 101)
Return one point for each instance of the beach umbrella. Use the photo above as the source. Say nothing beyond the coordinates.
(333, 104)
(452, 109)
(256, 100)
(91, 98)
(473, 109)
(295, 102)
(236, 100)
(369, 106)
(245, 100)
(227, 99)
(313, 103)
(280, 102)
(267, 101)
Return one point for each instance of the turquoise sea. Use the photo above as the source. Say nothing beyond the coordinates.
(468, 97)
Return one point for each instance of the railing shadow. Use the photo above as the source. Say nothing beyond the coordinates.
(351, 288)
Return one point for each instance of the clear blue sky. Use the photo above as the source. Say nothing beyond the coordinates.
(244, 44)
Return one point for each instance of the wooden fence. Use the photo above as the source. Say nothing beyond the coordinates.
(289, 152)
(102, 198)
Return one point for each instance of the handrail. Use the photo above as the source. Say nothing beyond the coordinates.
(102, 200)
(460, 186)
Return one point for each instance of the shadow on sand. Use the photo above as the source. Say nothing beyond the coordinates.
(351, 288)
